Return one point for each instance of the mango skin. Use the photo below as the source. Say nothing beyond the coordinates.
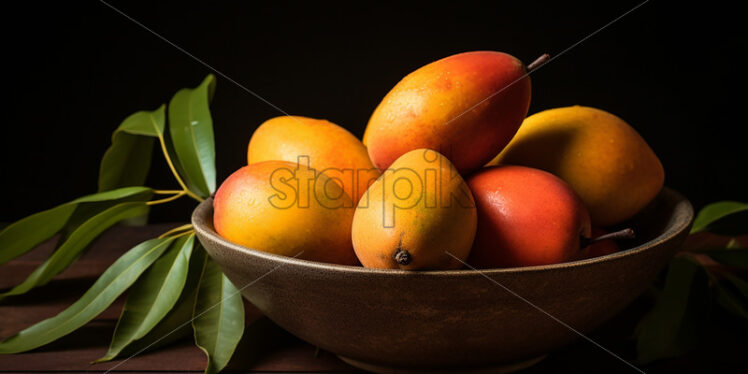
(425, 221)
(249, 210)
(605, 160)
(526, 217)
(330, 148)
(466, 106)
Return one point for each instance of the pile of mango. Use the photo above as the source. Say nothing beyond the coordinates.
(451, 173)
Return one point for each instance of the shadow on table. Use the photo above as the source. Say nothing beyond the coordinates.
(96, 333)
(259, 339)
(54, 292)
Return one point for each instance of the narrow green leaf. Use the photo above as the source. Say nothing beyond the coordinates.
(120, 193)
(112, 283)
(128, 159)
(731, 301)
(152, 296)
(724, 217)
(740, 284)
(219, 317)
(731, 257)
(89, 206)
(21, 236)
(144, 123)
(126, 162)
(176, 324)
(675, 324)
(76, 242)
(191, 130)
(25, 234)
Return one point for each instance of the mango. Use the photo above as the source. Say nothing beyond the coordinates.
(466, 106)
(286, 209)
(421, 215)
(315, 143)
(526, 217)
(605, 160)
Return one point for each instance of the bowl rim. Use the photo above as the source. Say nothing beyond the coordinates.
(199, 222)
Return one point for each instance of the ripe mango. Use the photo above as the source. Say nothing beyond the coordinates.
(315, 143)
(605, 160)
(526, 217)
(466, 106)
(287, 209)
(419, 215)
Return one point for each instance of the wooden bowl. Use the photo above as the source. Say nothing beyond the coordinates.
(403, 321)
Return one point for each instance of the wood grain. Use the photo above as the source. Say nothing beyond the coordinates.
(75, 351)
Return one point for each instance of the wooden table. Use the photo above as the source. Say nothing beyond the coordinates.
(278, 351)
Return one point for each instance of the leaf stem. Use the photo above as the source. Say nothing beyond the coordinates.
(176, 230)
(166, 192)
(166, 200)
(174, 171)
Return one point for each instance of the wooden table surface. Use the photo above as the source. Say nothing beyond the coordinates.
(276, 351)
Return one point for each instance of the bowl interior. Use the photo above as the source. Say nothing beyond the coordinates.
(668, 215)
(428, 319)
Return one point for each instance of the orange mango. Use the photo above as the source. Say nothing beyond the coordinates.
(315, 143)
(466, 106)
(287, 209)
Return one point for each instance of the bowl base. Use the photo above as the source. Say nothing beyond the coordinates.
(494, 369)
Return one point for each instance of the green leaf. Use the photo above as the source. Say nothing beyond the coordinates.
(21, 236)
(128, 159)
(735, 303)
(144, 123)
(731, 257)
(724, 217)
(76, 242)
(675, 324)
(219, 317)
(25, 234)
(191, 130)
(120, 193)
(740, 284)
(176, 324)
(126, 162)
(152, 296)
(112, 283)
(730, 301)
(89, 206)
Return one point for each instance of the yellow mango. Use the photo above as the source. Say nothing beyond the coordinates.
(420, 215)
(606, 162)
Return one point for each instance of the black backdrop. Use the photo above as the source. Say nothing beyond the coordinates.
(73, 71)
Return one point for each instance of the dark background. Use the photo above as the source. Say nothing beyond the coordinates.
(73, 71)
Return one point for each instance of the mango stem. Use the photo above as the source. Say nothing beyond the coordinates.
(627, 233)
(538, 61)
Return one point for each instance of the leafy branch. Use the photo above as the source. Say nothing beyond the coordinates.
(174, 287)
(708, 272)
